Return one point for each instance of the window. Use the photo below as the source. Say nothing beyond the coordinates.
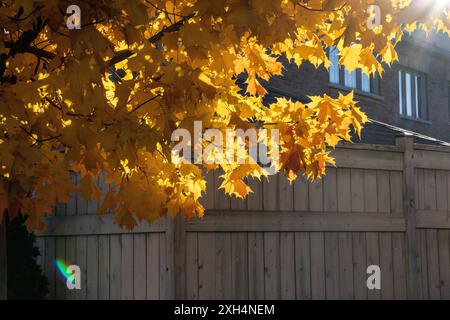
(350, 79)
(411, 94)
(355, 80)
(334, 68)
(448, 96)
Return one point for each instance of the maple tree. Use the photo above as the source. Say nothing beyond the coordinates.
(105, 98)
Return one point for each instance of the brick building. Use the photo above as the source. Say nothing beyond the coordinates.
(413, 94)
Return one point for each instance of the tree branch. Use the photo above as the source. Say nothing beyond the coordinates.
(304, 6)
(145, 102)
(165, 11)
(172, 28)
(125, 54)
(70, 114)
(37, 141)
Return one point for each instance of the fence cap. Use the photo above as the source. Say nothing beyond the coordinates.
(404, 134)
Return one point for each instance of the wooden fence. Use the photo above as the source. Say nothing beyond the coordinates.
(382, 205)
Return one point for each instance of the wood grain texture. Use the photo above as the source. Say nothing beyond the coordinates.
(239, 265)
(272, 265)
(287, 265)
(332, 265)
(206, 265)
(300, 241)
(303, 265)
(226, 266)
(93, 259)
(256, 265)
(346, 266)
(318, 290)
(152, 265)
(400, 266)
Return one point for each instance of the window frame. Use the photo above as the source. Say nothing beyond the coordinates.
(416, 113)
(374, 87)
(448, 100)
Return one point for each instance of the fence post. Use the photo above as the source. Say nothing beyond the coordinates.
(176, 257)
(406, 143)
(3, 264)
(180, 257)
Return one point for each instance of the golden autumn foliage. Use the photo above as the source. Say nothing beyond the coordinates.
(105, 99)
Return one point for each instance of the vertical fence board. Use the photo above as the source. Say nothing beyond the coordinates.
(330, 202)
(115, 280)
(93, 258)
(357, 185)
(422, 240)
(400, 265)
(238, 204)
(287, 265)
(39, 243)
(140, 267)
(286, 194)
(301, 194)
(49, 263)
(317, 266)
(60, 243)
(386, 266)
(206, 265)
(127, 267)
(441, 190)
(346, 266)
(373, 258)
(370, 191)
(270, 193)
(420, 189)
(430, 189)
(396, 184)
(192, 266)
(433, 264)
(302, 266)
(152, 267)
(239, 265)
(256, 265)
(359, 265)
(81, 261)
(223, 269)
(332, 265)
(272, 265)
(254, 200)
(344, 193)
(71, 257)
(316, 196)
(448, 195)
(163, 267)
(444, 263)
(383, 191)
(105, 262)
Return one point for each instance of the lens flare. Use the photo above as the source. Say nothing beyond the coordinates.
(62, 268)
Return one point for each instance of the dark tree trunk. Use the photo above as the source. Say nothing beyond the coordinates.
(3, 271)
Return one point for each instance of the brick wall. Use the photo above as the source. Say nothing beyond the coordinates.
(384, 106)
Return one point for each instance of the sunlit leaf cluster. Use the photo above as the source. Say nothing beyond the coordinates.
(104, 100)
